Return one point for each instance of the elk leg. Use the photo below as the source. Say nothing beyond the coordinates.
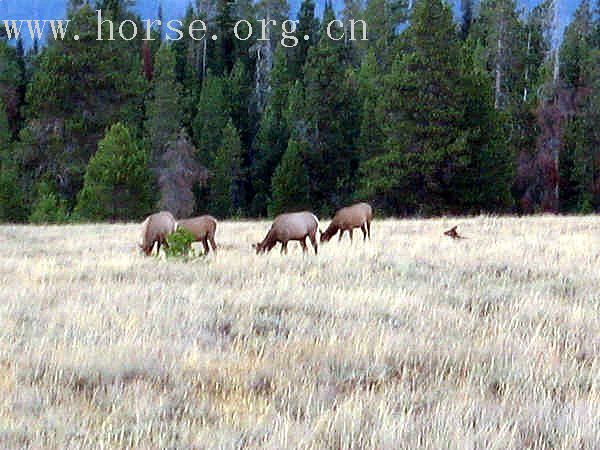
(369, 229)
(303, 244)
(284, 248)
(350, 232)
(213, 244)
(205, 245)
(313, 240)
(157, 248)
(341, 234)
(364, 230)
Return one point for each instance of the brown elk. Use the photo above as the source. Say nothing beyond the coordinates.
(155, 230)
(453, 233)
(346, 219)
(290, 227)
(203, 228)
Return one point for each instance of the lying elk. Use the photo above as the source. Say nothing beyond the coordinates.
(203, 228)
(155, 229)
(346, 219)
(290, 227)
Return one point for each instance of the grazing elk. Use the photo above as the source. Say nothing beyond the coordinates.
(203, 228)
(155, 229)
(290, 227)
(346, 219)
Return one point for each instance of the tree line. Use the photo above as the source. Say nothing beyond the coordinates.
(489, 112)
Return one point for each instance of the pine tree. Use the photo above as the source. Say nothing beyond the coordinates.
(211, 119)
(5, 134)
(580, 73)
(426, 150)
(163, 107)
(78, 89)
(371, 138)
(225, 181)
(308, 25)
(331, 116)
(12, 201)
(290, 185)
(277, 10)
(273, 134)
(12, 83)
(499, 27)
(117, 184)
(226, 43)
(48, 207)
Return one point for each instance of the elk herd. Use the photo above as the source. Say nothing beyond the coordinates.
(294, 226)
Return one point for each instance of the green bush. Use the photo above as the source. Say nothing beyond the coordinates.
(48, 207)
(180, 244)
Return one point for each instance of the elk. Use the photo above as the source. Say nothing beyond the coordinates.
(453, 233)
(155, 229)
(346, 219)
(290, 227)
(203, 228)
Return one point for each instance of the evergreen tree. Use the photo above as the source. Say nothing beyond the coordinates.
(5, 134)
(163, 107)
(277, 10)
(502, 33)
(371, 138)
(117, 183)
(331, 116)
(426, 151)
(48, 207)
(273, 134)
(225, 198)
(308, 25)
(290, 183)
(211, 119)
(12, 201)
(12, 83)
(79, 88)
(226, 43)
(580, 74)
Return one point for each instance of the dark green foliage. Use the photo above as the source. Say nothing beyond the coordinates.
(5, 134)
(291, 182)
(179, 244)
(212, 116)
(78, 89)
(48, 208)
(12, 199)
(225, 178)
(430, 115)
(273, 134)
(163, 107)
(330, 114)
(308, 25)
(12, 84)
(117, 182)
(441, 123)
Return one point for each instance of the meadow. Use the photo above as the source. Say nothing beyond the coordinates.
(412, 340)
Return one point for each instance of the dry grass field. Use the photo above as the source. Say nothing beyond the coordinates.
(410, 341)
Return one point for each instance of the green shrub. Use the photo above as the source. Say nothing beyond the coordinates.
(180, 244)
(48, 207)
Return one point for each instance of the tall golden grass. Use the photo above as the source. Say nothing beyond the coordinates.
(412, 340)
